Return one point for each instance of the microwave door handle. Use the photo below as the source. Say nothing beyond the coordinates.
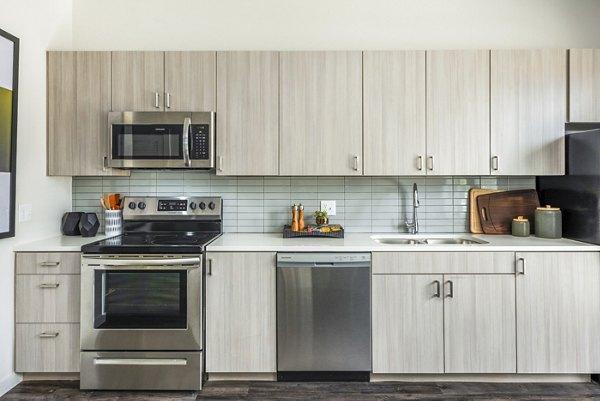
(185, 143)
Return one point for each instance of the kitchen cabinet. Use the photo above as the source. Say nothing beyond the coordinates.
(458, 113)
(528, 111)
(320, 113)
(247, 113)
(79, 90)
(557, 312)
(584, 85)
(47, 301)
(138, 81)
(240, 313)
(394, 112)
(190, 81)
(453, 316)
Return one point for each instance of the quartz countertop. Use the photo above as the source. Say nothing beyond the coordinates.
(60, 243)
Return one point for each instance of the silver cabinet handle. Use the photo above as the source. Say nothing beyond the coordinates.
(523, 264)
(141, 264)
(168, 100)
(49, 264)
(105, 163)
(185, 143)
(209, 267)
(140, 361)
(430, 162)
(495, 163)
(49, 285)
(48, 334)
(420, 163)
(438, 289)
(356, 160)
(450, 289)
(156, 100)
(220, 163)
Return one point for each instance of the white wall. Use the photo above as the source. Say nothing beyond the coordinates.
(334, 24)
(41, 25)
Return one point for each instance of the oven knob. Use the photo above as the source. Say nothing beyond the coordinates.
(202, 205)
(142, 205)
(193, 205)
(211, 205)
(132, 205)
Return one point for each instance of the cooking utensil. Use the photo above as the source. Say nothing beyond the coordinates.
(497, 210)
(112, 202)
(474, 222)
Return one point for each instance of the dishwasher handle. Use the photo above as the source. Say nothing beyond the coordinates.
(317, 265)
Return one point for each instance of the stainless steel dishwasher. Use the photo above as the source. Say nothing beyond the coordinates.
(323, 316)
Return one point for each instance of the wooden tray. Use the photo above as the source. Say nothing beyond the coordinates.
(474, 222)
(288, 233)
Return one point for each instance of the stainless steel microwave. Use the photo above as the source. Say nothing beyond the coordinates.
(161, 140)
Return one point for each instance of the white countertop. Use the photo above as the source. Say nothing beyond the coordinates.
(60, 243)
(362, 242)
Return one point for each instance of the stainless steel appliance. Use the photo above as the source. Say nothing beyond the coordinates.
(141, 296)
(323, 316)
(161, 140)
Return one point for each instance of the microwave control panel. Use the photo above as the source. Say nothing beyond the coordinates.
(199, 142)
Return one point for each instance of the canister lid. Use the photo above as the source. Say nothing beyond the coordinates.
(548, 208)
(520, 218)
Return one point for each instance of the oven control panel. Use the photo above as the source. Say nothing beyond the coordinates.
(184, 207)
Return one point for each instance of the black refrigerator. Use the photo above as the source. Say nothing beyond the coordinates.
(577, 193)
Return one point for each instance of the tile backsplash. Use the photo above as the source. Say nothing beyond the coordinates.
(262, 204)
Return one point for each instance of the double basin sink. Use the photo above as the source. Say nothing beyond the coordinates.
(396, 240)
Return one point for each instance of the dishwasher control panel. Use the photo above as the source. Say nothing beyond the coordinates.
(322, 258)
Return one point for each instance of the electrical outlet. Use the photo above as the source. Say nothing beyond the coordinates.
(329, 207)
(25, 212)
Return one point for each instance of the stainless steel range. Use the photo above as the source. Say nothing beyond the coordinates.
(141, 296)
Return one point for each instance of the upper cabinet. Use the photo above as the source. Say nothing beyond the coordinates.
(247, 113)
(78, 103)
(584, 85)
(320, 113)
(458, 117)
(138, 81)
(190, 81)
(394, 112)
(528, 111)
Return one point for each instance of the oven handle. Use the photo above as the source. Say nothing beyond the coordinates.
(185, 143)
(192, 263)
(140, 361)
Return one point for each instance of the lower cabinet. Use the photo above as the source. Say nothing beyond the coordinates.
(47, 347)
(444, 323)
(558, 312)
(240, 313)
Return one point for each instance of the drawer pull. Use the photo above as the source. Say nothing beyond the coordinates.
(140, 361)
(49, 285)
(48, 334)
(50, 264)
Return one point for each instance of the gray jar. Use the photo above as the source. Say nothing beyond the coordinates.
(548, 222)
(520, 227)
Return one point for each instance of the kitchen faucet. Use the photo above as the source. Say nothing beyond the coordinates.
(413, 226)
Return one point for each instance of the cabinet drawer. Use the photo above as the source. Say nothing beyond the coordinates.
(443, 263)
(48, 263)
(47, 298)
(47, 348)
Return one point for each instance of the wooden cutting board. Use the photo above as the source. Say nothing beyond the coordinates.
(497, 210)
(474, 222)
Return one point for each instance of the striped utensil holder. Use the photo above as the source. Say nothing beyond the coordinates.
(113, 222)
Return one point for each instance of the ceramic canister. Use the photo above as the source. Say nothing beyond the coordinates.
(548, 222)
(520, 227)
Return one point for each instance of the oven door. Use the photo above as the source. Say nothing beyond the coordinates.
(141, 303)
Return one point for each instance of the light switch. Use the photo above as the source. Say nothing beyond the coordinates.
(25, 212)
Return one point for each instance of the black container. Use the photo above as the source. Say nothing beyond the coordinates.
(89, 224)
(70, 223)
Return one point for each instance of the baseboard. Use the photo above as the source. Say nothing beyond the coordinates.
(9, 382)
(242, 376)
(483, 378)
(50, 376)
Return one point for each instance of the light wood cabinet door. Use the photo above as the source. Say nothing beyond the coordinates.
(240, 313)
(49, 347)
(557, 312)
(190, 81)
(78, 104)
(584, 85)
(528, 111)
(138, 81)
(479, 324)
(48, 263)
(394, 112)
(47, 298)
(321, 113)
(458, 113)
(247, 113)
(408, 329)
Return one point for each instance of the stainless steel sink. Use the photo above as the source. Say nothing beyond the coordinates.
(426, 241)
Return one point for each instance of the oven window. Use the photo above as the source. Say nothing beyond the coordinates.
(134, 299)
(147, 141)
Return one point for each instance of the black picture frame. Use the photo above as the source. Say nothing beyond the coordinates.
(13, 135)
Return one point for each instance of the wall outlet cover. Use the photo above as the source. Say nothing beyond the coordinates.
(25, 212)
(329, 207)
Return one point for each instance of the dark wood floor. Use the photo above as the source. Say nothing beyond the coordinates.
(266, 391)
